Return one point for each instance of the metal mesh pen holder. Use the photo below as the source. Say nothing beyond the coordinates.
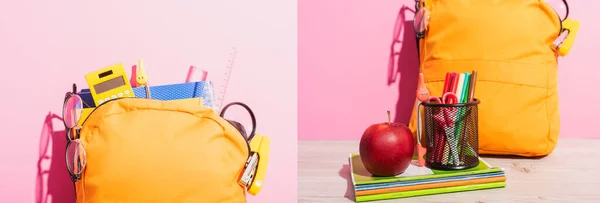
(451, 135)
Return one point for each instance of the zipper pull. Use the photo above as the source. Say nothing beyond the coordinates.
(253, 175)
(564, 42)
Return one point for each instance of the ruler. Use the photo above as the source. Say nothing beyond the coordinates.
(227, 75)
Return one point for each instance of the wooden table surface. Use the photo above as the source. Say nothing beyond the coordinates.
(566, 175)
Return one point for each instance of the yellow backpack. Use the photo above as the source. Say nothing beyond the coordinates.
(511, 44)
(140, 150)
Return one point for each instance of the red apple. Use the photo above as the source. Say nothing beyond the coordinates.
(386, 149)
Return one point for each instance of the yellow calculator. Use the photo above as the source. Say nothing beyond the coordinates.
(109, 83)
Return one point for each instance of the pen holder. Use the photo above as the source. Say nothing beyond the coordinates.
(451, 135)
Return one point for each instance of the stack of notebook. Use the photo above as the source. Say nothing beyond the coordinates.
(419, 181)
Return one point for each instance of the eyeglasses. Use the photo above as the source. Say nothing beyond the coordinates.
(75, 153)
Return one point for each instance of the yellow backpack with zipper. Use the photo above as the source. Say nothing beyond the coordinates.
(513, 45)
(141, 150)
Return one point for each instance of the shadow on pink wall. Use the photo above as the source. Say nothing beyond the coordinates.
(403, 65)
(53, 184)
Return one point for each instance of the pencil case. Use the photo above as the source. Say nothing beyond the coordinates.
(451, 135)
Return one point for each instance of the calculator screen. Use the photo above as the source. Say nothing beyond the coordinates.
(109, 85)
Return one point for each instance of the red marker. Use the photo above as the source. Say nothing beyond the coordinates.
(447, 82)
(454, 84)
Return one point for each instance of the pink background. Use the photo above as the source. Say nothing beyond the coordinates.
(343, 55)
(45, 46)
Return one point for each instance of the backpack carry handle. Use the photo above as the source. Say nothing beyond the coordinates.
(239, 126)
(422, 14)
(419, 4)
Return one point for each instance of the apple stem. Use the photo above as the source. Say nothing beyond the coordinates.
(389, 117)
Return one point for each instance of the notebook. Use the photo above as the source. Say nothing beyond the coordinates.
(430, 186)
(420, 181)
(433, 181)
(464, 188)
(360, 175)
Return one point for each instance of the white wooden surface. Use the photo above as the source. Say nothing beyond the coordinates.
(570, 174)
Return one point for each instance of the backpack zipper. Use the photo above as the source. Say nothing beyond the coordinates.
(247, 142)
(82, 124)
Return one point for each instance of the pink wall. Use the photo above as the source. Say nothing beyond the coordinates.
(343, 55)
(47, 45)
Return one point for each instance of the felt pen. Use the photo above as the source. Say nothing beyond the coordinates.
(459, 132)
(454, 86)
(447, 82)
(472, 86)
(440, 140)
(454, 83)
(472, 82)
(460, 87)
(465, 96)
(447, 142)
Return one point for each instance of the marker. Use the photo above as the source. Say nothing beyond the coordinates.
(447, 82)
(460, 87)
(454, 85)
(466, 88)
(472, 85)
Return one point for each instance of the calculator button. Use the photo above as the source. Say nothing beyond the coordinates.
(120, 94)
(113, 97)
(126, 91)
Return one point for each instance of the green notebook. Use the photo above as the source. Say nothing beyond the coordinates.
(360, 175)
(432, 191)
